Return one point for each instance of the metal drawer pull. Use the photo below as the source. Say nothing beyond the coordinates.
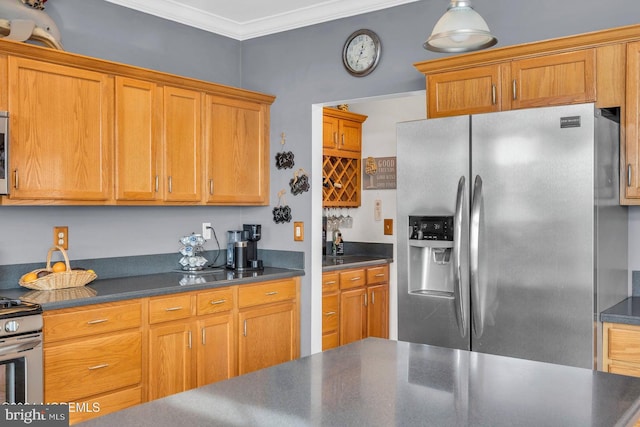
(380, 275)
(219, 301)
(173, 308)
(93, 322)
(104, 365)
(353, 279)
(271, 293)
(330, 313)
(330, 283)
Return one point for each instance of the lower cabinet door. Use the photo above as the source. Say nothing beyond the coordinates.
(266, 336)
(353, 315)
(216, 350)
(378, 311)
(169, 359)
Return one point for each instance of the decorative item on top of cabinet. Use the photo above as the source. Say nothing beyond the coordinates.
(284, 159)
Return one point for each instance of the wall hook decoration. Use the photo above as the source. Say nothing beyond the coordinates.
(300, 182)
(284, 159)
(282, 212)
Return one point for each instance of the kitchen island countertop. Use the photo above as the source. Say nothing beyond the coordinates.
(378, 382)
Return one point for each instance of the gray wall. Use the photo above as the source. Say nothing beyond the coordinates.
(302, 67)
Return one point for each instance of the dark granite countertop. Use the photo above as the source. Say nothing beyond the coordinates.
(123, 288)
(379, 382)
(331, 263)
(627, 311)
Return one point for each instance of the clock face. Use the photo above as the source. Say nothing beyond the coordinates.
(361, 52)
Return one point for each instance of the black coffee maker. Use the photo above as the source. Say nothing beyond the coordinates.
(253, 233)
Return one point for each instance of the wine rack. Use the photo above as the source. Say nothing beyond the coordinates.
(341, 181)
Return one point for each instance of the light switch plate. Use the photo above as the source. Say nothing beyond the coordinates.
(388, 226)
(298, 231)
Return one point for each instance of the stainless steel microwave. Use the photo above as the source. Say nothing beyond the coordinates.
(4, 152)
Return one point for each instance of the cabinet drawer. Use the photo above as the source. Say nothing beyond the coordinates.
(79, 322)
(624, 344)
(169, 308)
(330, 282)
(330, 341)
(92, 366)
(249, 295)
(107, 403)
(352, 278)
(377, 275)
(214, 301)
(330, 307)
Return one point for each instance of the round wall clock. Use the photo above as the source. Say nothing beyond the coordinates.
(361, 52)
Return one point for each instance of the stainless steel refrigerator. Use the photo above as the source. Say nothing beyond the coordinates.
(511, 239)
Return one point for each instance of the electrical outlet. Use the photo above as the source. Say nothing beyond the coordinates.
(206, 230)
(61, 236)
(388, 226)
(298, 231)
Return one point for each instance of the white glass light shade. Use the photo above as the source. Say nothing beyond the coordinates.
(461, 29)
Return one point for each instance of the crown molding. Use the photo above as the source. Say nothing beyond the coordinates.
(197, 18)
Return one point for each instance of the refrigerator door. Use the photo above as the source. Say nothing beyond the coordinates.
(533, 283)
(432, 157)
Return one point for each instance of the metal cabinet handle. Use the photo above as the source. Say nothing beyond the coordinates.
(515, 89)
(330, 313)
(245, 328)
(189, 333)
(629, 175)
(379, 275)
(343, 139)
(493, 94)
(271, 293)
(204, 337)
(103, 365)
(93, 322)
(15, 179)
(335, 139)
(330, 282)
(211, 187)
(216, 302)
(170, 185)
(173, 308)
(353, 279)
(157, 183)
(365, 299)
(373, 297)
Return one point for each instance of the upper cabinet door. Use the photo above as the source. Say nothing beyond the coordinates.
(138, 108)
(182, 145)
(237, 150)
(61, 132)
(558, 79)
(471, 91)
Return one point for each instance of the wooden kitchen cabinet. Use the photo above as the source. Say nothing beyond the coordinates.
(630, 174)
(342, 144)
(61, 138)
(540, 81)
(621, 349)
(268, 324)
(236, 151)
(191, 341)
(360, 299)
(158, 142)
(94, 356)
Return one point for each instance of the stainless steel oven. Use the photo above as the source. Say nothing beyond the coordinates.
(21, 378)
(4, 152)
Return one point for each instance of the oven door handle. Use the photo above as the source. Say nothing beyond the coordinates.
(18, 348)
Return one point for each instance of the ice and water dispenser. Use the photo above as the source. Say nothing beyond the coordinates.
(430, 255)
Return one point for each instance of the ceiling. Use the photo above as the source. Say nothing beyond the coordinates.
(246, 19)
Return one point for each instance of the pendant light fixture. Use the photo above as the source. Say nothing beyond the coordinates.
(461, 29)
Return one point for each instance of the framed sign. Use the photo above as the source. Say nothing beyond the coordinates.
(379, 173)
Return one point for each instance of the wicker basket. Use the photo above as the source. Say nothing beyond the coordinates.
(64, 279)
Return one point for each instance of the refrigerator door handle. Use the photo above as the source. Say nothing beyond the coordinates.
(474, 249)
(459, 291)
